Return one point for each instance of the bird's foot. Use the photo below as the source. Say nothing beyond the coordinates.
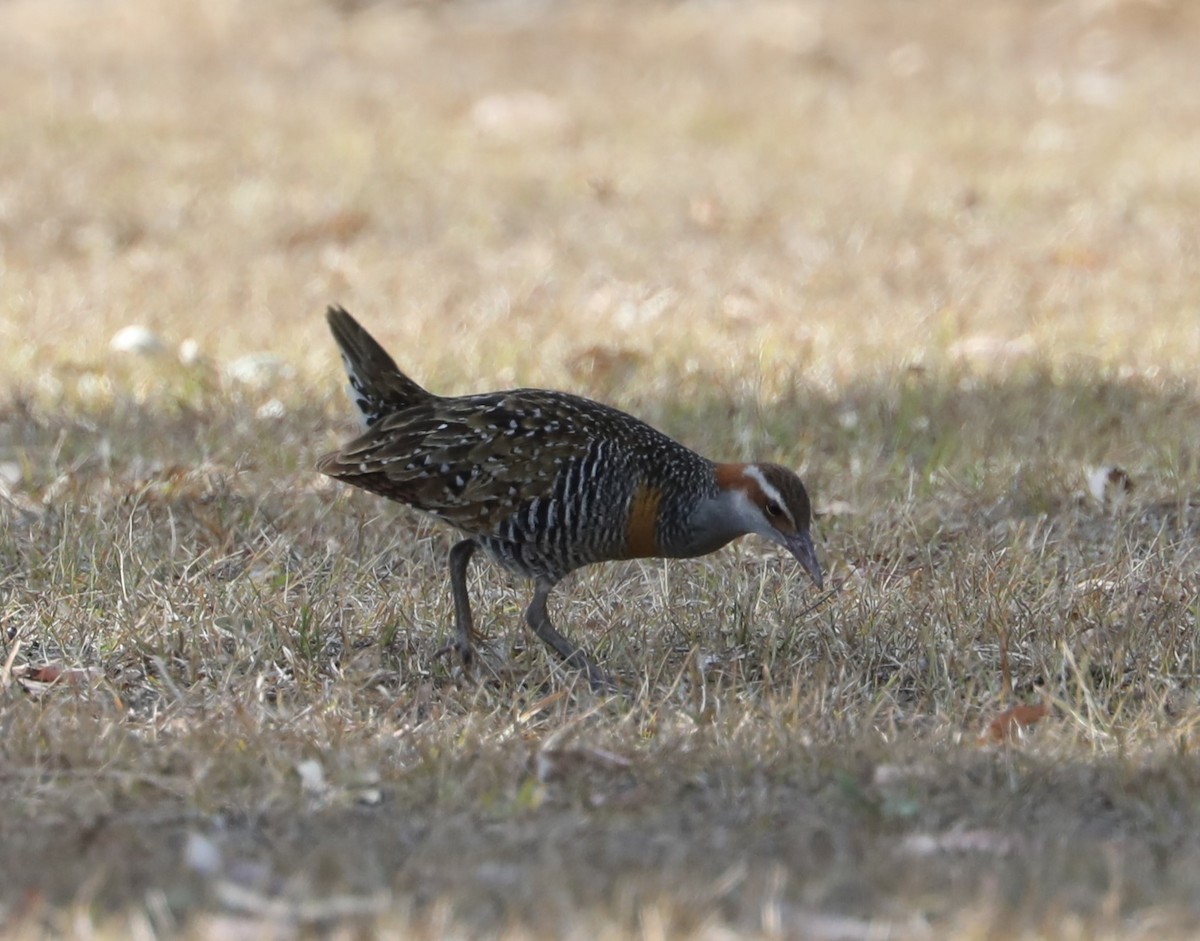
(461, 647)
(599, 679)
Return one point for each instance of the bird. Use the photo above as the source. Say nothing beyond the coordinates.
(546, 483)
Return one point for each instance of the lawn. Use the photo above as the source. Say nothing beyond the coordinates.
(941, 258)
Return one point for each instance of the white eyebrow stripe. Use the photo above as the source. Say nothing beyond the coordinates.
(769, 490)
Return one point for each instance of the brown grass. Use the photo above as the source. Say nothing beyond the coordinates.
(941, 257)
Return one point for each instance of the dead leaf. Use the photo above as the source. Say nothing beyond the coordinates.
(959, 841)
(38, 680)
(604, 366)
(706, 213)
(340, 227)
(1109, 485)
(986, 349)
(540, 706)
(1096, 586)
(1078, 256)
(312, 777)
(201, 855)
(563, 763)
(1009, 724)
(603, 188)
(516, 117)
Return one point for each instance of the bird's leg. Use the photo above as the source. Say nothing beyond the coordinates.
(464, 628)
(572, 655)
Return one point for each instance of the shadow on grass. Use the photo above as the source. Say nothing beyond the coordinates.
(236, 607)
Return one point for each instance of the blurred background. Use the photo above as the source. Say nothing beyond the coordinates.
(583, 194)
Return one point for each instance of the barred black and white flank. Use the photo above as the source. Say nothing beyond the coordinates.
(547, 482)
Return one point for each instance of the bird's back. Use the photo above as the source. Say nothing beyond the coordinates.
(546, 481)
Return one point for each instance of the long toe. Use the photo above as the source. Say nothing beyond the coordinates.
(464, 651)
(599, 679)
(574, 657)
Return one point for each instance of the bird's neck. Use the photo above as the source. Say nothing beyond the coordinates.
(720, 517)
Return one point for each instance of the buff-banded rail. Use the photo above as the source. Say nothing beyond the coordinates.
(548, 482)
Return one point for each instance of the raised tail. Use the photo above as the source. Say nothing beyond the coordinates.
(377, 386)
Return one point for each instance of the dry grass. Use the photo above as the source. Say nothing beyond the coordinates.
(940, 256)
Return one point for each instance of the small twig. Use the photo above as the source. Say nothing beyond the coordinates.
(161, 669)
(167, 785)
(821, 599)
(1006, 686)
(6, 670)
(240, 899)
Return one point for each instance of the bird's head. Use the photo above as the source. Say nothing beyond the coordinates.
(771, 501)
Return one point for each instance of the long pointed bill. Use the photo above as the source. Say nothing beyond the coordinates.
(801, 546)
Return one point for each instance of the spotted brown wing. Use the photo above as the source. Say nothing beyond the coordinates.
(471, 461)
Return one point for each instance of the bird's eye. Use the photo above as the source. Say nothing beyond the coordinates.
(773, 509)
